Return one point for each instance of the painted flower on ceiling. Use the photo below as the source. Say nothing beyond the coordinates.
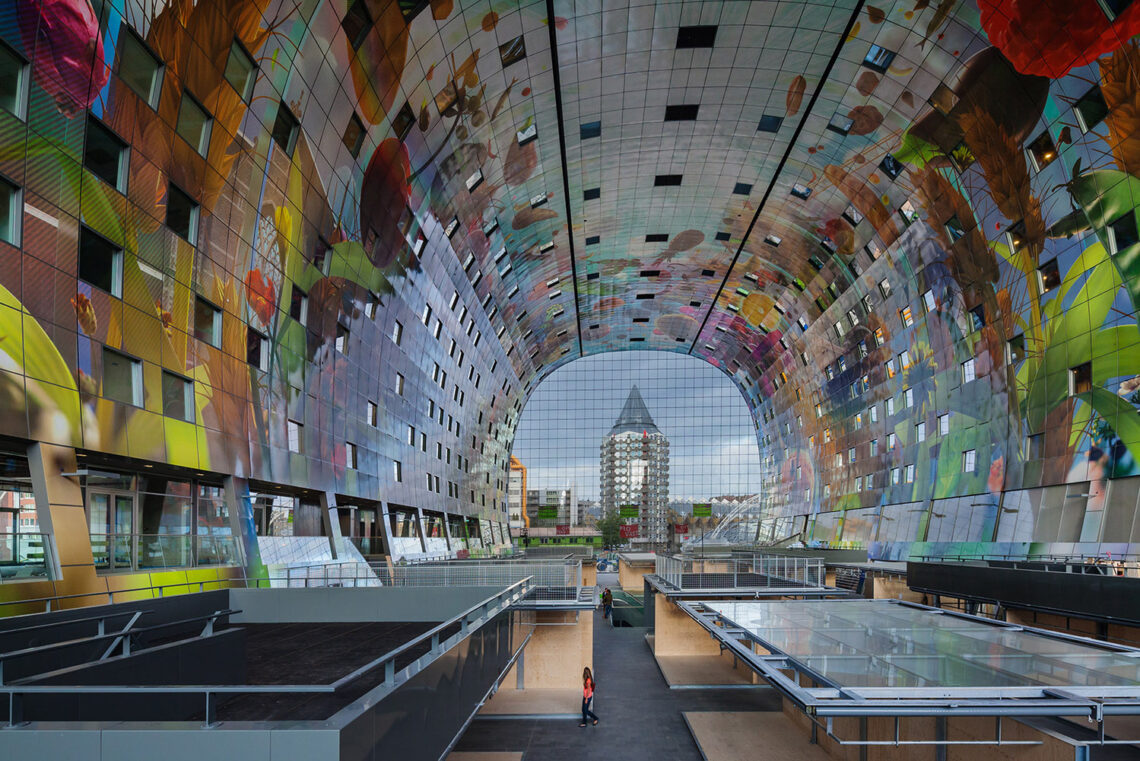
(1051, 37)
(62, 38)
(384, 195)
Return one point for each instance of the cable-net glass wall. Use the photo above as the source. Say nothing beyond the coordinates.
(649, 449)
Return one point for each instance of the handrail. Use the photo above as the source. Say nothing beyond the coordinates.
(507, 595)
(53, 624)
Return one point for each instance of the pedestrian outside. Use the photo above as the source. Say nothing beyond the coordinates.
(608, 604)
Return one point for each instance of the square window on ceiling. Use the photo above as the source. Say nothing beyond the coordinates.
(665, 180)
(1042, 150)
(285, 129)
(657, 238)
(742, 189)
(207, 322)
(474, 180)
(770, 123)
(591, 194)
(512, 51)
(181, 214)
(1122, 232)
(955, 229)
(105, 154)
(353, 137)
(241, 71)
(194, 123)
(962, 157)
(943, 99)
(891, 166)
(696, 37)
(524, 136)
(878, 59)
(1080, 379)
(593, 240)
(908, 213)
(682, 113)
(1090, 108)
(139, 68)
(593, 276)
(723, 236)
(357, 23)
(773, 240)
(100, 262)
(404, 121)
(11, 206)
(801, 191)
(841, 124)
(852, 215)
(588, 130)
(1113, 8)
(708, 273)
(13, 82)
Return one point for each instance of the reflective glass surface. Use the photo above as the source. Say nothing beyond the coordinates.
(866, 643)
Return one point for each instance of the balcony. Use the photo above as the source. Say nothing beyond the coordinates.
(24, 556)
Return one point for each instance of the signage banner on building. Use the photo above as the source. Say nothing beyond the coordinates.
(702, 510)
(562, 529)
(630, 511)
(629, 531)
(681, 528)
(548, 512)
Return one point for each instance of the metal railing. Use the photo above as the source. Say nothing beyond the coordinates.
(24, 556)
(1103, 565)
(322, 575)
(555, 579)
(471, 618)
(754, 572)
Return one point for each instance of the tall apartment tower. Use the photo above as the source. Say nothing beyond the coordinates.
(635, 470)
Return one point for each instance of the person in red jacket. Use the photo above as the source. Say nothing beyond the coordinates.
(587, 697)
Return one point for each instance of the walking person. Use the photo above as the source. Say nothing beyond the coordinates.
(608, 605)
(587, 697)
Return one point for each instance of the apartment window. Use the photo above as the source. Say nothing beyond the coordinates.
(397, 471)
(13, 82)
(11, 207)
(423, 441)
(399, 384)
(371, 306)
(968, 371)
(139, 69)
(874, 413)
(929, 302)
(943, 425)
(342, 335)
(411, 436)
(890, 406)
(904, 359)
(908, 395)
(920, 432)
(207, 322)
(1080, 379)
(100, 262)
(285, 129)
(1036, 446)
(177, 397)
(426, 317)
(910, 473)
(397, 332)
(299, 305)
(437, 330)
(906, 316)
(293, 433)
(1015, 349)
(122, 378)
(241, 71)
(858, 483)
(878, 59)
(1090, 109)
(896, 475)
(1122, 232)
(978, 317)
(105, 155)
(880, 337)
(891, 367)
(372, 414)
(257, 349)
(1042, 151)
(194, 124)
(874, 447)
(892, 441)
(350, 455)
(885, 287)
(851, 454)
(353, 137)
(181, 214)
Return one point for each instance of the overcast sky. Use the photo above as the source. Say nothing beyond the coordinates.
(712, 444)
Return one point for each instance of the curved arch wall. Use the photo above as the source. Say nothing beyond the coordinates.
(517, 169)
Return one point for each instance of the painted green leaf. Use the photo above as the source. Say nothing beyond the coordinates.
(1119, 414)
(1106, 195)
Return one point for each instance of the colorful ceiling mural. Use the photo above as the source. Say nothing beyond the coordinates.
(874, 216)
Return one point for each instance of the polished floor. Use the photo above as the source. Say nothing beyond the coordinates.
(641, 718)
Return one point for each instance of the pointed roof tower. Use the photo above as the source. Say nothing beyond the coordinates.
(634, 416)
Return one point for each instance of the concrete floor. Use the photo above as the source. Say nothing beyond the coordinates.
(641, 718)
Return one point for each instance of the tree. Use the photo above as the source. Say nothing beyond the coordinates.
(610, 526)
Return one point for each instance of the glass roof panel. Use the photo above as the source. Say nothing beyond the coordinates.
(868, 643)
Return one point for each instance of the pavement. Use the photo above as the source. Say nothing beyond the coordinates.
(641, 718)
